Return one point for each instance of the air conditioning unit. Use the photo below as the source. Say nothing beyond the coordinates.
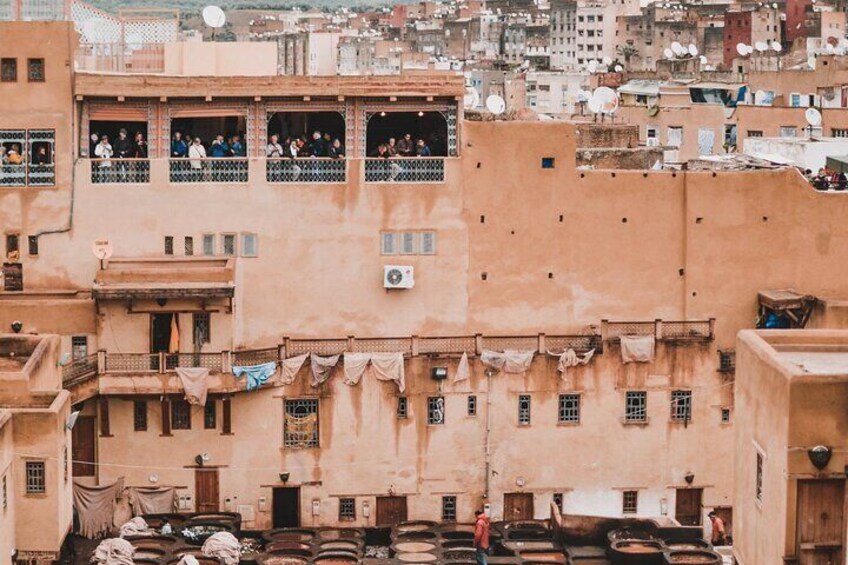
(652, 142)
(398, 277)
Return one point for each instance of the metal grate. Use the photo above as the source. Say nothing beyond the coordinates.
(569, 409)
(300, 426)
(208, 170)
(384, 345)
(120, 171)
(636, 406)
(681, 405)
(325, 347)
(79, 347)
(35, 477)
(559, 500)
(13, 174)
(35, 70)
(448, 509)
(210, 415)
(140, 415)
(306, 170)
(201, 328)
(462, 344)
(169, 245)
(630, 502)
(347, 509)
(726, 360)
(411, 170)
(8, 70)
(524, 410)
(516, 343)
(188, 246)
(228, 244)
(471, 405)
(436, 410)
(255, 356)
(579, 343)
(180, 414)
(402, 407)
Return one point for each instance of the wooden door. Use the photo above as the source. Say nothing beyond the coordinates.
(206, 490)
(391, 510)
(688, 506)
(820, 532)
(518, 506)
(286, 507)
(83, 447)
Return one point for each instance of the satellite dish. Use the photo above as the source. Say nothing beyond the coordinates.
(495, 104)
(471, 98)
(814, 117)
(72, 420)
(102, 249)
(703, 59)
(153, 478)
(693, 49)
(214, 17)
(608, 60)
(669, 54)
(618, 68)
(592, 66)
(742, 49)
(583, 96)
(759, 97)
(202, 458)
(677, 48)
(761, 46)
(776, 46)
(605, 99)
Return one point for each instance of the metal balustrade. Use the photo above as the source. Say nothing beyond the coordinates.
(295, 347)
(212, 361)
(132, 363)
(249, 357)
(209, 170)
(306, 170)
(13, 175)
(579, 343)
(41, 175)
(672, 330)
(405, 170)
(447, 345)
(120, 171)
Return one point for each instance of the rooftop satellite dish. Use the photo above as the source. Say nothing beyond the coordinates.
(592, 66)
(742, 49)
(604, 99)
(814, 117)
(761, 46)
(703, 59)
(618, 68)
(669, 54)
(677, 48)
(102, 249)
(471, 98)
(693, 49)
(495, 104)
(214, 17)
(776, 46)
(607, 60)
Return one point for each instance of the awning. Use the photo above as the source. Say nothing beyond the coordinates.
(196, 277)
(211, 112)
(153, 291)
(640, 89)
(117, 113)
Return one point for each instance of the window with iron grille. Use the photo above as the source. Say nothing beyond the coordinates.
(435, 410)
(13, 246)
(209, 244)
(448, 509)
(180, 414)
(759, 479)
(402, 407)
(248, 245)
(725, 415)
(524, 409)
(636, 406)
(408, 243)
(558, 500)
(228, 244)
(347, 509)
(681, 405)
(188, 246)
(839, 132)
(79, 347)
(755, 133)
(35, 70)
(32, 243)
(169, 245)
(35, 479)
(569, 409)
(140, 415)
(630, 502)
(210, 415)
(201, 328)
(428, 243)
(8, 70)
(388, 243)
(300, 425)
(472, 405)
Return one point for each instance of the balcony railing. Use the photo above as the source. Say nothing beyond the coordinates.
(672, 330)
(13, 175)
(120, 171)
(41, 175)
(132, 363)
(79, 370)
(405, 170)
(249, 357)
(210, 169)
(306, 170)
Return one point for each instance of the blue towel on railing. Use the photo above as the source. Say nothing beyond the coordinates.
(257, 375)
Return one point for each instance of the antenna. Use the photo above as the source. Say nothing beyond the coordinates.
(495, 104)
(214, 17)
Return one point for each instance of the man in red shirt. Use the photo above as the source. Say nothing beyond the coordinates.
(481, 537)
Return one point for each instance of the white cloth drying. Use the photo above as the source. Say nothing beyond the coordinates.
(194, 384)
(136, 527)
(322, 367)
(637, 349)
(114, 551)
(224, 546)
(510, 361)
(462, 370)
(570, 358)
(386, 367)
(291, 366)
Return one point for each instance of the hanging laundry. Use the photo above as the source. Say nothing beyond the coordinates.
(493, 359)
(638, 349)
(174, 343)
(257, 375)
(291, 366)
(96, 507)
(152, 500)
(510, 361)
(321, 368)
(354, 367)
(570, 358)
(462, 370)
(389, 367)
(114, 551)
(194, 383)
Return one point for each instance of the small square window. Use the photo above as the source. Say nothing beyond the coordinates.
(630, 502)
(188, 246)
(681, 405)
(32, 242)
(180, 415)
(448, 509)
(209, 244)
(725, 416)
(402, 407)
(524, 410)
(140, 416)
(547, 162)
(79, 347)
(8, 70)
(35, 70)
(428, 243)
(388, 243)
(210, 415)
(471, 405)
(408, 243)
(169, 245)
(569, 409)
(35, 479)
(347, 509)
(435, 410)
(636, 406)
(228, 244)
(248, 245)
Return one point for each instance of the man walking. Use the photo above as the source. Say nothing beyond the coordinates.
(481, 537)
(719, 536)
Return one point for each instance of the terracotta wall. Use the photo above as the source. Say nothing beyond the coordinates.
(8, 487)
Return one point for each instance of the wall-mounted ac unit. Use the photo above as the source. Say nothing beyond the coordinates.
(395, 276)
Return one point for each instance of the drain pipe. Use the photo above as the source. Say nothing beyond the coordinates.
(488, 432)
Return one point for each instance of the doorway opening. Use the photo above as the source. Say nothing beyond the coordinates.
(286, 507)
